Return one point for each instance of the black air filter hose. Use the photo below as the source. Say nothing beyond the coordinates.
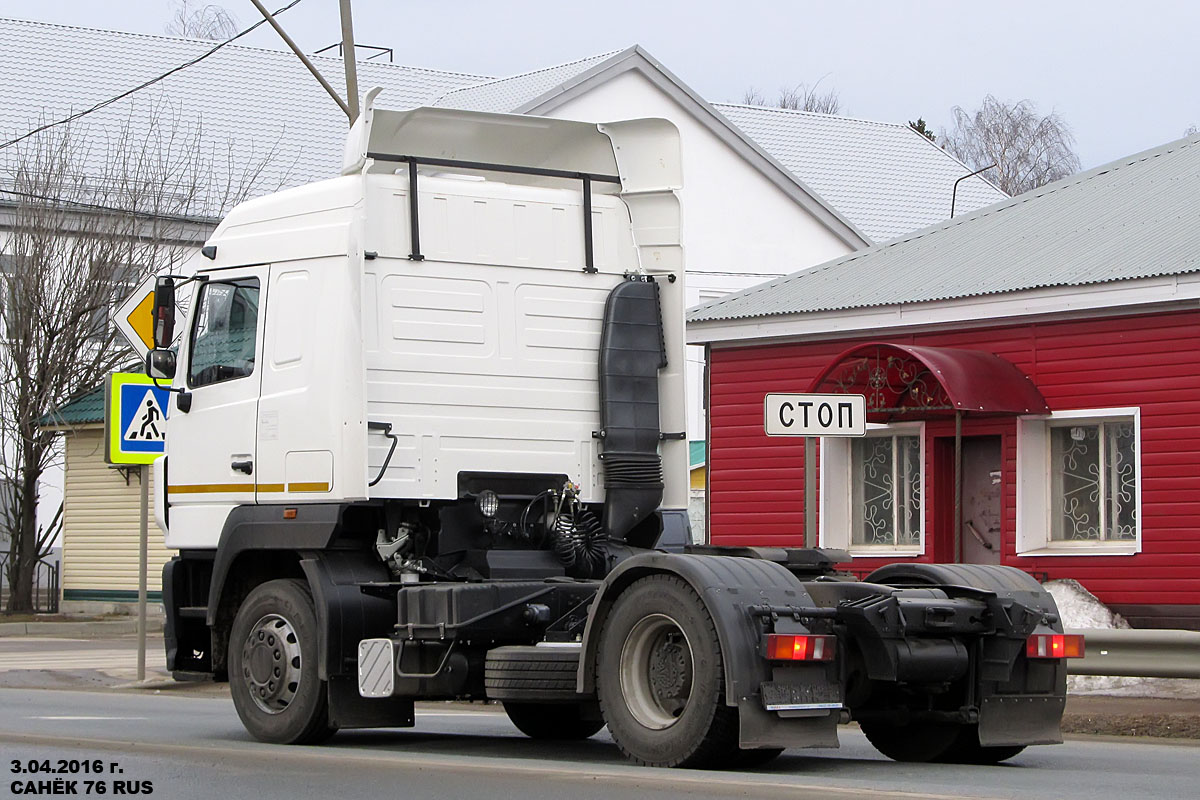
(579, 542)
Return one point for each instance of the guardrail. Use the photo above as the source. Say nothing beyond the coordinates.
(1137, 653)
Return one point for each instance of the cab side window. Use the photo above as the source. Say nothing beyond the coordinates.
(225, 332)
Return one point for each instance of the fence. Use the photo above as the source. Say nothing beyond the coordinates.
(1138, 653)
(45, 585)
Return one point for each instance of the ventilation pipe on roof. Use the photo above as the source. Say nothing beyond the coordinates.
(954, 194)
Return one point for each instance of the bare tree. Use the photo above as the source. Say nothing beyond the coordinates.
(88, 214)
(753, 97)
(209, 21)
(1028, 150)
(800, 97)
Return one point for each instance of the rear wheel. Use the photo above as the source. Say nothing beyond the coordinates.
(660, 679)
(920, 742)
(273, 665)
(967, 749)
(562, 721)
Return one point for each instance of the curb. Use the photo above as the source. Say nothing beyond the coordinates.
(81, 629)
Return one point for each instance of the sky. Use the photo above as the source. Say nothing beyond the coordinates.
(1122, 75)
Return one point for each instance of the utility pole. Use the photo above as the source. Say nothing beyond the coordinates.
(351, 108)
(143, 557)
(349, 60)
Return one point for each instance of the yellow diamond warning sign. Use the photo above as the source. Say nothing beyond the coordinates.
(134, 318)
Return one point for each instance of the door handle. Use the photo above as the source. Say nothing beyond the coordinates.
(243, 466)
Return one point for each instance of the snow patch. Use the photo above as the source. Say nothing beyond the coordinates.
(1079, 608)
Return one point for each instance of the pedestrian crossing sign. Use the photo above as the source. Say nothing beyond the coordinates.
(135, 419)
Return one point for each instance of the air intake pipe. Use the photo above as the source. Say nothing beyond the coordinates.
(632, 351)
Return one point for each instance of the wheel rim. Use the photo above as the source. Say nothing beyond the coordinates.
(657, 671)
(271, 663)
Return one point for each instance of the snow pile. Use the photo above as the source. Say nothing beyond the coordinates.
(1079, 608)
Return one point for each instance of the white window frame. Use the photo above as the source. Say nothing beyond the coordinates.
(835, 528)
(1034, 476)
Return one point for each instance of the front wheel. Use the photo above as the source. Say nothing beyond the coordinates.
(273, 665)
(660, 679)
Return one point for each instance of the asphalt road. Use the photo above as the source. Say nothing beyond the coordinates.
(194, 747)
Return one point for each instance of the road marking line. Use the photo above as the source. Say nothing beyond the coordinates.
(89, 719)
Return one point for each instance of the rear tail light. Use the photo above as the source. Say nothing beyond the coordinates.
(800, 647)
(1054, 645)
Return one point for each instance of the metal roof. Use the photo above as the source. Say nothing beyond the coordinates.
(247, 101)
(86, 409)
(1134, 218)
(507, 94)
(884, 177)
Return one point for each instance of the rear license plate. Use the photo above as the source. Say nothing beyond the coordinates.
(800, 696)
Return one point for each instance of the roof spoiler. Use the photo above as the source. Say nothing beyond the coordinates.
(538, 145)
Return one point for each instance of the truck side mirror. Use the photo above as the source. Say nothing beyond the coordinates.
(160, 364)
(164, 314)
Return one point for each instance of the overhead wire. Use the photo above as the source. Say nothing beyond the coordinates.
(146, 84)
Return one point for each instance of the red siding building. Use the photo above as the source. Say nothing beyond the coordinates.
(1059, 332)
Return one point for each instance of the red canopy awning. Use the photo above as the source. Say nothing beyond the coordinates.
(906, 382)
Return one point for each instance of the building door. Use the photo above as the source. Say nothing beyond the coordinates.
(981, 499)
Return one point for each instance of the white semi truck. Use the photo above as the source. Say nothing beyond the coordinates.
(428, 433)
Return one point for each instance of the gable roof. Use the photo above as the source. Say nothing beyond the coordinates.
(885, 177)
(636, 59)
(879, 179)
(505, 95)
(1133, 218)
(248, 101)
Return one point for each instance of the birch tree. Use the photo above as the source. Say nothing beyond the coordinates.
(1028, 149)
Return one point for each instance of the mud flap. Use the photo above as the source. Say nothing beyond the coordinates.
(762, 728)
(1021, 719)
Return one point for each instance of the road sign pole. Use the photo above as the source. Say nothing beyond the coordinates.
(143, 545)
(810, 492)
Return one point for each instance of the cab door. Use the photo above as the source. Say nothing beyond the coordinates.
(211, 442)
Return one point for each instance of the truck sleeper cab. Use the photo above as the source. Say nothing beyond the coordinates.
(429, 431)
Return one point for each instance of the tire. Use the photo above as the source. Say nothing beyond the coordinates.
(917, 742)
(678, 716)
(967, 749)
(552, 721)
(532, 674)
(273, 666)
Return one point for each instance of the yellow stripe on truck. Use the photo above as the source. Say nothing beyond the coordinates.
(233, 488)
(210, 488)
